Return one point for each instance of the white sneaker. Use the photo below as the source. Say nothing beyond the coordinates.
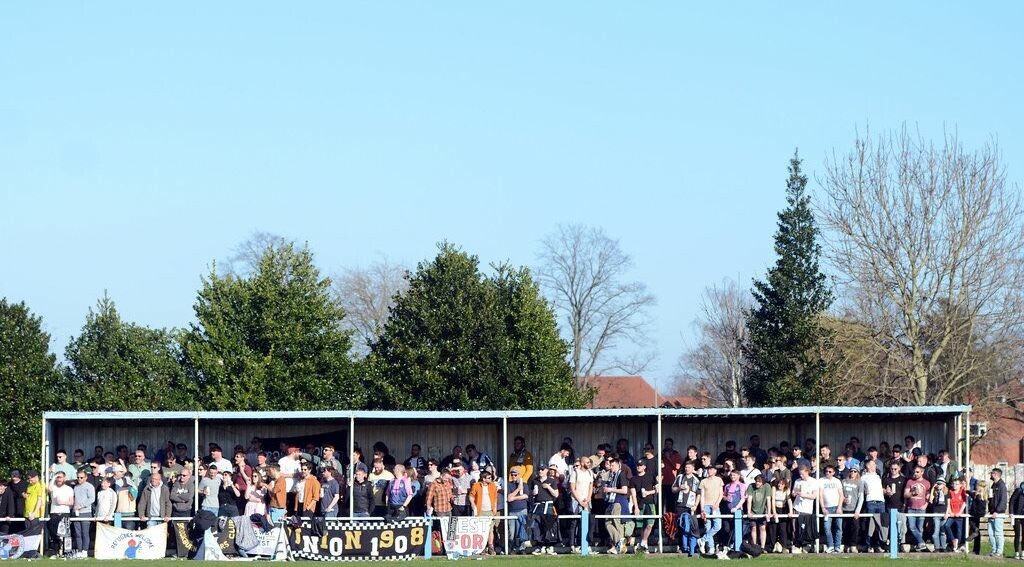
(829, 550)
(551, 551)
(700, 546)
(796, 550)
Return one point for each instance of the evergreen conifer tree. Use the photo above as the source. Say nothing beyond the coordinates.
(784, 364)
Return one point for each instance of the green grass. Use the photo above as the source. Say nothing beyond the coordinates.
(862, 560)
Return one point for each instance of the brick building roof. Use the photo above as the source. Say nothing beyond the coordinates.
(635, 392)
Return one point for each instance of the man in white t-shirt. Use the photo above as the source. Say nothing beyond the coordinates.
(581, 487)
(830, 498)
(750, 470)
(290, 465)
(558, 460)
(805, 493)
(62, 499)
(874, 506)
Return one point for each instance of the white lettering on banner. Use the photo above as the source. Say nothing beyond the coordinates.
(465, 536)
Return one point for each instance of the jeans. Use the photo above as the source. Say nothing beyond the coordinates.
(996, 537)
(151, 523)
(331, 514)
(687, 529)
(520, 536)
(954, 529)
(831, 523)
(366, 514)
(916, 525)
(876, 534)
(276, 514)
(938, 535)
(215, 510)
(713, 525)
(81, 531)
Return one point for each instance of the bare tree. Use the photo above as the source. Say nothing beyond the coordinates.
(929, 243)
(715, 363)
(584, 273)
(245, 257)
(367, 294)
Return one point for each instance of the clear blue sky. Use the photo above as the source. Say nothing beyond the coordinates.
(138, 142)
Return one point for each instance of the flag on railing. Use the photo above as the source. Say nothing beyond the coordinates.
(118, 543)
(23, 544)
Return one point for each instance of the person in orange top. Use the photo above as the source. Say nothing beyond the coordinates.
(278, 494)
(308, 494)
(521, 457)
(483, 497)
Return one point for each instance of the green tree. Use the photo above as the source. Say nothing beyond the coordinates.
(457, 339)
(30, 384)
(784, 362)
(118, 365)
(271, 340)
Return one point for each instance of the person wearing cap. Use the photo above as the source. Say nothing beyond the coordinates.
(518, 502)
(853, 503)
(642, 495)
(18, 487)
(938, 500)
(461, 483)
(216, 457)
(544, 488)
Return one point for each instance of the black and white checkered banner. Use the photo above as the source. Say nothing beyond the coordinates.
(354, 541)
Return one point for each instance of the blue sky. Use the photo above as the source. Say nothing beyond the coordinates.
(138, 143)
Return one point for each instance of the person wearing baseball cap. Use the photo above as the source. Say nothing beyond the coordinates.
(853, 503)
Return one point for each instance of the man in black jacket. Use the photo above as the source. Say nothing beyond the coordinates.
(997, 510)
(7, 498)
(362, 493)
(1017, 509)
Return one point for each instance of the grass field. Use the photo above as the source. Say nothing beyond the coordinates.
(655, 560)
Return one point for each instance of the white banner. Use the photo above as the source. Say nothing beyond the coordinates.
(465, 535)
(117, 543)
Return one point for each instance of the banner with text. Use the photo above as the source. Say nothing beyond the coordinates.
(349, 541)
(465, 536)
(117, 543)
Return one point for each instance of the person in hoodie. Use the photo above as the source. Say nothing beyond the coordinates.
(7, 508)
(1017, 509)
(106, 501)
(997, 506)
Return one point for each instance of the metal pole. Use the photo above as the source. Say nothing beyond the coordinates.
(659, 505)
(504, 462)
(817, 476)
(195, 464)
(42, 454)
(958, 429)
(352, 464)
(967, 445)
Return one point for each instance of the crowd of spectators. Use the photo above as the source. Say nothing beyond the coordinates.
(791, 497)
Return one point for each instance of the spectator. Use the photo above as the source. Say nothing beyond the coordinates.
(278, 491)
(381, 478)
(331, 493)
(307, 492)
(642, 496)
(62, 500)
(483, 498)
(7, 508)
(439, 496)
(853, 503)
(415, 461)
(997, 507)
(155, 501)
(62, 465)
(517, 506)
(106, 501)
(805, 491)
(953, 521)
(85, 497)
(209, 487)
(256, 497)
(522, 458)
(461, 483)
(399, 495)
(362, 493)
(544, 489)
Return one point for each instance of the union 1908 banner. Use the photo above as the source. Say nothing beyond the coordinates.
(350, 541)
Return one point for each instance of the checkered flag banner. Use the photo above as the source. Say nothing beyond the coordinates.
(337, 540)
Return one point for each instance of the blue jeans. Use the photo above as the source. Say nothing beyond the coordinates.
(520, 536)
(331, 514)
(713, 525)
(687, 540)
(831, 523)
(996, 537)
(276, 514)
(938, 534)
(916, 525)
(360, 514)
(877, 534)
(214, 509)
(151, 523)
(954, 528)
